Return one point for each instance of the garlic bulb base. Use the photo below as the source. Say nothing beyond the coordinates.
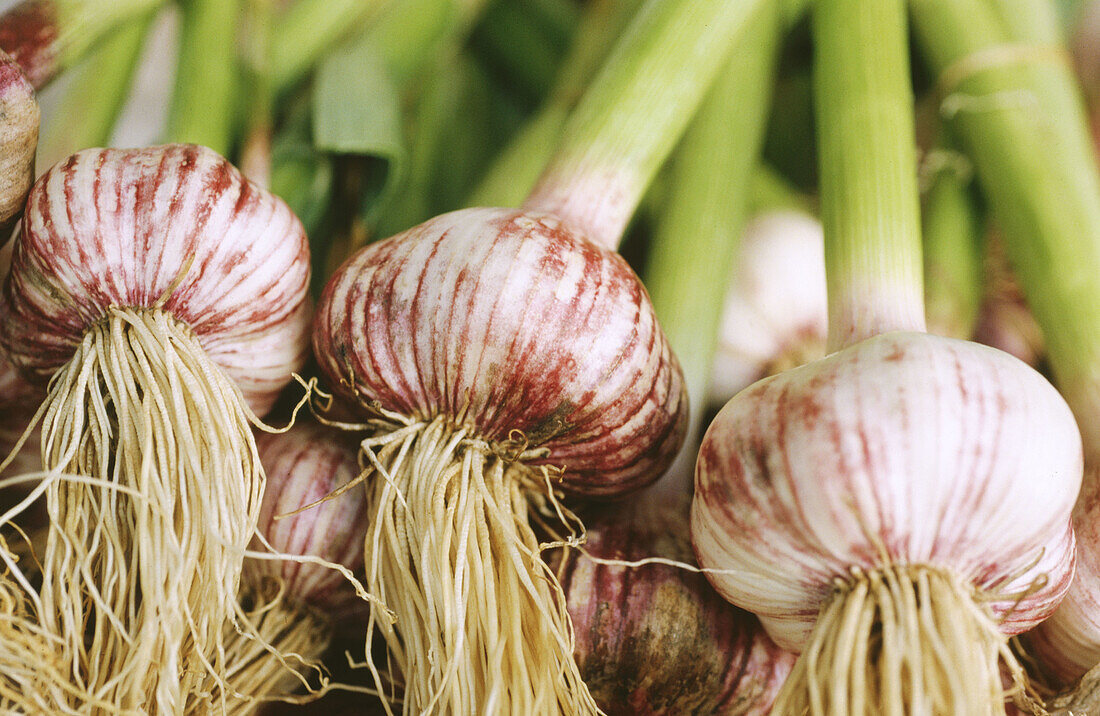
(275, 650)
(1083, 698)
(900, 640)
(143, 557)
(35, 679)
(479, 621)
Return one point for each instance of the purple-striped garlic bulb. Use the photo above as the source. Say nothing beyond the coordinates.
(163, 297)
(291, 606)
(305, 465)
(1067, 645)
(29, 32)
(18, 141)
(892, 511)
(500, 358)
(775, 315)
(655, 638)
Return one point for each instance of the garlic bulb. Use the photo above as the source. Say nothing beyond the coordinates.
(775, 314)
(304, 465)
(18, 140)
(510, 321)
(162, 297)
(656, 638)
(499, 359)
(904, 467)
(172, 228)
(1068, 643)
(291, 607)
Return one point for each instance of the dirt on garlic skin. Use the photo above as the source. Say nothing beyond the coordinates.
(657, 639)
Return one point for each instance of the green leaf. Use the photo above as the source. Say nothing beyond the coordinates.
(357, 110)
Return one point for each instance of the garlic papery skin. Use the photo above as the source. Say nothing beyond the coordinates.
(304, 465)
(903, 458)
(162, 298)
(1067, 645)
(775, 314)
(173, 227)
(656, 638)
(291, 607)
(29, 33)
(499, 359)
(19, 119)
(510, 321)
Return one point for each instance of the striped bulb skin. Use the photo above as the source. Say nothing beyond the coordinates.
(510, 320)
(657, 639)
(907, 447)
(1068, 644)
(175, 227)
(303, 465)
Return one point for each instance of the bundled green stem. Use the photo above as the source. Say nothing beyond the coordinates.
(1016, 108)
(140, 578)
(97, 93)
(695, 243)
(202, 110)
(634, 112)
(869, 199)
(309, 28)
(82, 24)
(953, 227)
(517, 167)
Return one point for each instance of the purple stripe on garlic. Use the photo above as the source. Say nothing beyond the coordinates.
(510, 321)
(304, 465)
(908, 448)
(175, 225)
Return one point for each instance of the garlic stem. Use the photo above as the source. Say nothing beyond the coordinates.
(94, 100)
(696, 240)
(953, 226)
(516, 169)
(309, 28)
(771, 190)
(83, 23)
(203, 103)
(866, 140)
(255, 159)
(1018, 112)
(635, 111)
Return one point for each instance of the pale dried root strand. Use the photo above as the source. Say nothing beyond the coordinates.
(32, 670)
(273, 650)
(139, 581)
(903, 640)
(481, 623)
